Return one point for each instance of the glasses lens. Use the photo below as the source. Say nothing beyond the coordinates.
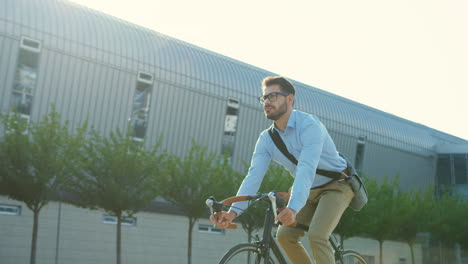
(261, 99)
(272, 97)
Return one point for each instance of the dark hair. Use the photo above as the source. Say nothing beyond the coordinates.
(285, 85)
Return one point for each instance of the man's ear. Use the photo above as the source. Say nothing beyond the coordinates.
(291, 99)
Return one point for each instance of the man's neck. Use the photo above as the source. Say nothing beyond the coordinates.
(282, 122)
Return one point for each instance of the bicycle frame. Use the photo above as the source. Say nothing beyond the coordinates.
(337, 249)
(268, 241)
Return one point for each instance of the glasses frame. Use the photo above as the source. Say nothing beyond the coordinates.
(265, 97)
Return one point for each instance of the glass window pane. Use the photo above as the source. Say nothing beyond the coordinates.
(28, 58)
(460, 168)
(140, 109)
(139, 127)
(230, 123)
(443, 170)
(141, 99)
(230, 127)
(25, 79)
(10, 209)
(21, 102)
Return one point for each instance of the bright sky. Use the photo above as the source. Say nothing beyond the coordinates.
(405, 57)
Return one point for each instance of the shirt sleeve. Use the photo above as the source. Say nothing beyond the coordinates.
(260, 161)
(312, 137)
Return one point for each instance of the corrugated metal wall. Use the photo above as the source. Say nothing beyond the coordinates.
(82, 88)
(89, 64)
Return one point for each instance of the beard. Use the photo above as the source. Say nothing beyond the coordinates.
(282, 109)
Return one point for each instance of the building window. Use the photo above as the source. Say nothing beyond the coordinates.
(140, 108)
(6, 209)
(210, 229)
(25, 76)
(444, 172)
(230, 127)
(460, 168)
(359, 160)
(110, 219)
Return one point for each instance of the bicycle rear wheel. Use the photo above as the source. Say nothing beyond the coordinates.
(351, 257)
(244, 254)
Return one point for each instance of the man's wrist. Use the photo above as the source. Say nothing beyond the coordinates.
(293, 209)
(232, 213)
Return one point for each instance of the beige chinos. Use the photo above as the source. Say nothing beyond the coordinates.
(321, 213)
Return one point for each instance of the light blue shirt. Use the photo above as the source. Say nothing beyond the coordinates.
(307, 139)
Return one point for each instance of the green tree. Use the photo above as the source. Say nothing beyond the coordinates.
(35, 159)
(450, 219)
(191, 179)
(416, 211)
(351, 223)
(117, 175)
(463, 230)
(276, 179)
(380, 214)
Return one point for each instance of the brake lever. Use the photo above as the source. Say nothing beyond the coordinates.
(272, 197)
(209, 202)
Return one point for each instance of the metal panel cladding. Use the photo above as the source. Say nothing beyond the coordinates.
(88, 35)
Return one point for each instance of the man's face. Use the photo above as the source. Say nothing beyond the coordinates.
(274, 110)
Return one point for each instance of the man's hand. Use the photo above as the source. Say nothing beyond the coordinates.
(223, 219)
(287, 216)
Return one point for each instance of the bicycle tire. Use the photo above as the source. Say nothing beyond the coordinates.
(240, 254)
(351, 257)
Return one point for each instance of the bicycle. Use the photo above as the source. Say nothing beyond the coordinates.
(260, 250)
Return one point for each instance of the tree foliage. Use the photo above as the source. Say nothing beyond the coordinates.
(117, 175)
(380, 215)
(35, 160)
(191, 179)
(352, 223)
(450, 218)
(416, 211)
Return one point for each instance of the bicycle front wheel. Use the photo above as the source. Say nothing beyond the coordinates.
(244, 254)
(351, 257)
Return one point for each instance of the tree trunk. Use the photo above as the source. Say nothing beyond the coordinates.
(34, 235)
(189, 242)
(458, 259)
(57, 239)
(411, 245)
(119, 238)
(381, 251)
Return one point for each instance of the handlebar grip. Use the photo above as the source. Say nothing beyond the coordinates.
(235, 199)
(232, 226)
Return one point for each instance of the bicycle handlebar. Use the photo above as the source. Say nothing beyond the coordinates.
(216, 207)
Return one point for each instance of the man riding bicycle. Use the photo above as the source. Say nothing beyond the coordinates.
(317, 201)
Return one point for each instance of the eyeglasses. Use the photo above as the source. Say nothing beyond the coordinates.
(271, 97)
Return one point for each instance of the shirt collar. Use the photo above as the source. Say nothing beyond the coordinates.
(291, 121)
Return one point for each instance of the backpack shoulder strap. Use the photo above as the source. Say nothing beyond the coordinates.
(282, 147)
(280, 144)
